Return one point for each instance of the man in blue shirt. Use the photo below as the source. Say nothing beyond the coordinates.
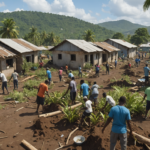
(115, 63)
(120, 116)
(80, 71)
(85, 88)
(70, 75)
(97, 70)
(146, 72)
(137, 62)
(49, 75)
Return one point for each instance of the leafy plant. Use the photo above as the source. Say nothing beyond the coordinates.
(35, 65)
(126, 78)
(104, 116)
(88, 66)
(95, 118)
(71, 115)
(29, 93)
(26, 66)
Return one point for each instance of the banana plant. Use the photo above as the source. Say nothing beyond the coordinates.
(104, 116)
(95, 118)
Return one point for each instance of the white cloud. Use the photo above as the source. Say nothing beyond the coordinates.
(62, 7)
(97, 14)
(7, 11)
(105, 11)
(18, 9)
(2, 4)
(104, 5)
(90, 11)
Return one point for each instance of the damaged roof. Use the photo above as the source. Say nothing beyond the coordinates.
(20, 45)
(5, 53)
(106, 46)
(81, 44)
(123, 43)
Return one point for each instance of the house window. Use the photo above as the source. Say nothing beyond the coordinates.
(73, 57)
(86, 58)
(59, 56)
(9, 63)
(97, 56)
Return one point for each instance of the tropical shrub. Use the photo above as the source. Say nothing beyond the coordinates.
(104, 116)
(26, 66)
(87, 66)
(95, 118)
(29, 93)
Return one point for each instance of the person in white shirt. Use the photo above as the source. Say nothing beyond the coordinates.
(95, 92)
(109, 100)
(4, 82)
(88, 110)
(15, 79)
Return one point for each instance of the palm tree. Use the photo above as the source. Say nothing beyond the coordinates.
(34, 35)
(52, 38)
(146, 5)
(89, 36)
(43, 36)
(9, 29)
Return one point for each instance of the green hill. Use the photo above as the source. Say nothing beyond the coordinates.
(65, 27)
(123, 26)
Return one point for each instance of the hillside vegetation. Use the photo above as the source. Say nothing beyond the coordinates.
(65, 27)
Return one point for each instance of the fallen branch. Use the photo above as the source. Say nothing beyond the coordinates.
(141, 138)
(2, 131)
(61, 146)
(19, 108)
(28, 145)
(58, 112)
(28, 78)
(4, 137)
(42, 145)
(71, 134)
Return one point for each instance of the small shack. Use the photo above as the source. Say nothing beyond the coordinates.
(75, 53)
(22, 49)
(144, 48)
(110, 53)
(129, 50)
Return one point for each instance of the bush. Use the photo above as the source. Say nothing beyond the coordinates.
(87, 66)
(26, 66)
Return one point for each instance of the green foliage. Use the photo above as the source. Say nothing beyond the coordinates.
(146, 5)
(87, 66)
(95, 118)
(71, 115)
(30, 84)
(46, 52)
(35, 65)
(26, 65)
(89, 36)
(104, 116)
(126, 78)
(41, 73)
(17, 96)
(9, 29)
(30, 93)
(118, 35)
(63, 26)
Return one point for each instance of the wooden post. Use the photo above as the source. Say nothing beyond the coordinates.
(28, 145)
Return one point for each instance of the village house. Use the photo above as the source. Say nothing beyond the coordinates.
(129, 50)
(109, 54)
(22, 49)
(75, 53)
(144, 48)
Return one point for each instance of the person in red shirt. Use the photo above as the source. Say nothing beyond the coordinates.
(41, 94)
(60, 73)
(129, 64)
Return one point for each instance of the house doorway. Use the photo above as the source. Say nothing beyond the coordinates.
(91, 59)
(28, 58)
(32, 58)
(104, 58)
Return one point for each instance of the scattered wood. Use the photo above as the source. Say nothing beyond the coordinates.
(42, 145)
(71, 134)
(19, 108)
(141, 138)
(4, 137)
(15, 134)
(60, 146)
(147, 146)
(7, 102)
(28, 78)
(140, 127)
(2, 131)
(58, 112)
(28, 145)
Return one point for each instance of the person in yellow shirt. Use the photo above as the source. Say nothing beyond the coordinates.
(66, 67)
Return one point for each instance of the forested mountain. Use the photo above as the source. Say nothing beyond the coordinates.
(123, 26)
(63, 26)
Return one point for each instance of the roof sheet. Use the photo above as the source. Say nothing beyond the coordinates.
(20, 45)
(85, 46)
(145, 45)
(124, 43)
(106, 46)
(5, 53)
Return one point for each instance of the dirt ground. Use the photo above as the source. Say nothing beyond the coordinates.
(45, 133)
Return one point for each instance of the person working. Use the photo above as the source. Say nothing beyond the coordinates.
(137, 62)
(85, 88)
(4, 82)
(41, 94)
(139, 55)
(115, 63)
(66, 67)
(73, 90)
(129, 64)
(97, 70)
(107, 68)
(80, 71)
(15, 79)
(142, 56)
(146, 72)
(120, 116)
(70, 74)
(147, 94)
(95, 93)
(109, 100)
(87, 112)
(60, 73)
(49, 75)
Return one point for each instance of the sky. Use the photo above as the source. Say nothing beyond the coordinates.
(94, 11)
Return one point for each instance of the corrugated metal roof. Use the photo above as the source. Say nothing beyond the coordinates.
(5, 53)
(145, 45)
(106, 46)
(85, 46)
(43, 48)
(124, 43)
(20, 45)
